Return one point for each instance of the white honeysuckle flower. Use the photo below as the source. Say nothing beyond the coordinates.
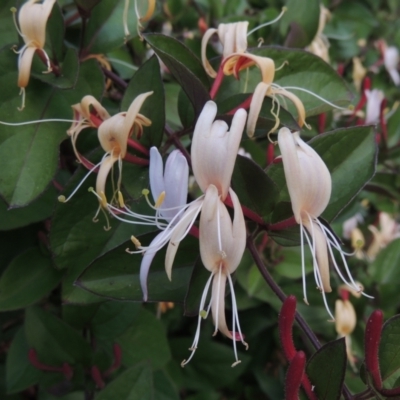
(350, 224)
(359, 73)
(32, 21)
(309, 184)
(222, 243)
(320, 44)
(113, 134)
(374, 100)
(391, 62)
(170, 184)
(151, 6)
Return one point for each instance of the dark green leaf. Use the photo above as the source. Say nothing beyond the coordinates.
(148, 78)
(26, 280)
(254, 188)
(145, 340)
(8, 32)
(164, 388)
(136, 383)
(303, 19)
(54, 340)
(184, 66)
(326, 370)
(20, 374)
(87, 5)
(115, 275)
(385, 269)
(389, 348)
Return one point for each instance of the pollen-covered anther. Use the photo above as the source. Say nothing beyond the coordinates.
(136, 242)
(121, 200)
(160, 200)
(61, 199)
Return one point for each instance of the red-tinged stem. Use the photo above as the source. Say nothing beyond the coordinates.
(86, 163)
(245, 104)
(96, 375)
(277, 160)
(117, 360)
(395, 392)
(194, 231)
(281, 295)
(270, 153)
(294, 376)
(65, 369)
(340, 69)
(383, 123)
(321, 122)
(72, 19)
(263, 243)
(130, 158)
(57, 185)
(115, 78)
(138, 146)
(372, 339)
(172, 136)
(96, 120)
(344, 294)
(247, 212)
(217, 82)
(285, 323)
(366, 86)
(279, 226)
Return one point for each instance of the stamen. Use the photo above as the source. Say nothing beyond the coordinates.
(219, 229)
(125, 19)
(277, 119)
(38, 121)
(160, 200)
(121, 200)
(23, 94)
(303, 267)
(315, 95)
(14, 13)
(284, 9)
(103, 199)
(283, 64)
(62, 198)
(219, 288)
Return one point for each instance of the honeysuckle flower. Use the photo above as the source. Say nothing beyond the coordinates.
(345, 323)
(151, 5)
(374, 100)
(391, 62)
(32, 20)
(113, 134)
(309, 184)
(389, 231)
(171, 186)
(350, 224)
(222, 243)
(320, 44)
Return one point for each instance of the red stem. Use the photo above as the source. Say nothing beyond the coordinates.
(136, 160)
(373, 332)
(280, 226)
(194, 231)
(117, 360)
(383, 123)
(66, 369)
(246, 211)
(294, 376)
(321, 122)
(96, 375)
(138, 146)
(245, 104)
(270, 153)
(217, 82)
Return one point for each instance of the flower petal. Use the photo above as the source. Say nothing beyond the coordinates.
(204, 41)
(24, 66)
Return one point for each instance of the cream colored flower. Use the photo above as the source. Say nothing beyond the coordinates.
(32, 19)
(151, 5)
(359, 73)
(391, 62)
(320, 44)
(374, 100)
(309, 184)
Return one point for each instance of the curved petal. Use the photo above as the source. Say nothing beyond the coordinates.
(149, 12)
(321, 250)
(24, 65)
(111, 135)
(184, 224)
(85, 108)
(255, 107)
(214, 148)
(218, 304)
(156, 173)
(301, 118)
(204, 41)
(132, 113)
(147, 260)
(102, 175)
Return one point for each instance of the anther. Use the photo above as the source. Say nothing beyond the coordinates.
(103, 200)
(136, 242)
(160, 200)
(121, 200)
(61, 199)
(145, 192)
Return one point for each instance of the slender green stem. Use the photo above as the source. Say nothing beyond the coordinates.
(282, 296)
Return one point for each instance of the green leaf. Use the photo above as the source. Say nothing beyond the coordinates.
(184, 66)
(349, 154)
(136, 383)
(384, 268)
(326, 370)
(8, 32)
(87, 5)
(389, 348)
(38, 210)
(115, 275)
(145, 340)
(26, 280)
(20, 374)
(303, 19)
(254, 188)
(104, 31)
(164, 388)
(69, 71)
(29, 156)
(55, 341)
(148, 78)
